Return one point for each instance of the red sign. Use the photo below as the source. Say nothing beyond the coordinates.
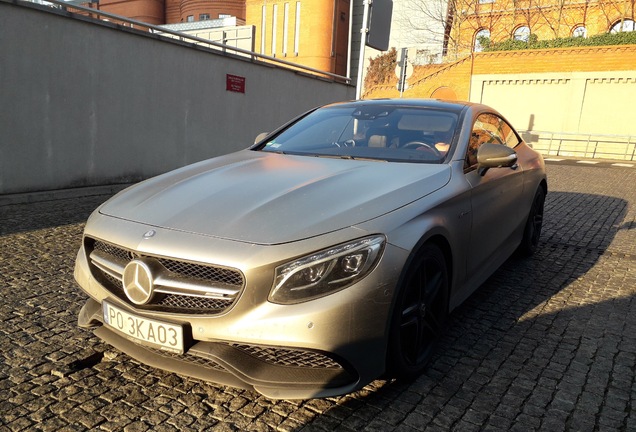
(235, 83)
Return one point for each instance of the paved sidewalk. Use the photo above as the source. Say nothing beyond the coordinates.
(547, 343)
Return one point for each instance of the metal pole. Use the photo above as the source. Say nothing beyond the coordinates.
(402, 80)
(349, 41)
(363, 42)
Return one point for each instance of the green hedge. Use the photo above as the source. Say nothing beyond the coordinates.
(621, 38)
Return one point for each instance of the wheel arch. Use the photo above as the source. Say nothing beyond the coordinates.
(441, 242)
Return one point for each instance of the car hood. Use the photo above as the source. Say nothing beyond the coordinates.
(267, 198)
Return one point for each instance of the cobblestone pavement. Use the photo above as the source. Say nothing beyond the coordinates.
(547, 343)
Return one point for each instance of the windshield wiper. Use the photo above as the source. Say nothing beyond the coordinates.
(347, 157)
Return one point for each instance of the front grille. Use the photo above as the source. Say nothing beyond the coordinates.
(289, 357)
(277, 356)
(190, 358)
(181, 286)
(193, 303)
(198, 271)
(114, 251)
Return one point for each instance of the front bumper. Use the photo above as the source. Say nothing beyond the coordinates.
(324, 347)
(275, 372)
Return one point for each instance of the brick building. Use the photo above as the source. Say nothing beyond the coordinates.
(201, 10)
(313, 33)
(148, 11)
(499, 20)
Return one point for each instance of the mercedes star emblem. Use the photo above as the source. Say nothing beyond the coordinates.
(149, 234)
(138, 282)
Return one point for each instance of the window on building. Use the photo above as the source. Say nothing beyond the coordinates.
(190, 18)
(297, 29)
(626, 25)
(274, 28)
(521, 33)
(285, 27)
(263, 29)
(204, 17)
(479, 37)
(579, 31)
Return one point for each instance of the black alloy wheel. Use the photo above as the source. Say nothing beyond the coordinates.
(420, 313)
(532, 231)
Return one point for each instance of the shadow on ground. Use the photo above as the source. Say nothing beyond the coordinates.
(546, 343)
(536, 344)
(18, 218)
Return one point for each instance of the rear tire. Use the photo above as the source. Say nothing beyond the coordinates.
(420, 314)
(534, 223)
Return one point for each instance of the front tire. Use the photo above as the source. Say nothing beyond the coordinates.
(420, 314)
(532, 231)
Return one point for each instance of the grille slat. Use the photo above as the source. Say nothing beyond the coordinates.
(211, 289)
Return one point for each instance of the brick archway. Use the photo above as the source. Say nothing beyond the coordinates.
(444, 93)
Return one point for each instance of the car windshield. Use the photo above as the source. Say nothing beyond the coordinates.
(377, 132)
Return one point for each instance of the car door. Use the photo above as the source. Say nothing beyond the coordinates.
(494, 198)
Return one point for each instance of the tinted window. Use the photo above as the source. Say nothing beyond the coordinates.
(371, 132)
(489, 128)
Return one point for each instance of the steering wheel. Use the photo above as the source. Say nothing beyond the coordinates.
(419, 145)
(347, 143)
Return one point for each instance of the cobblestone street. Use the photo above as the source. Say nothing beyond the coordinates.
(547, 343)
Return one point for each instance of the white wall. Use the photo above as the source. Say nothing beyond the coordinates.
(572, 102)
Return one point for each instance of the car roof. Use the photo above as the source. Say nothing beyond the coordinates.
(456, 106)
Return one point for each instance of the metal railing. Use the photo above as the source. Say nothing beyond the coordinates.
(73, 9)
(594, 146)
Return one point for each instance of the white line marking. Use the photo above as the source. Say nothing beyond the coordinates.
(587, 162)
(623, 165)
(553, 159)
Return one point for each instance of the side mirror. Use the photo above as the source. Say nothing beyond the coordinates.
(495, 156)
(260, 137)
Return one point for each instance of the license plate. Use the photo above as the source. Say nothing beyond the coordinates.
(158, 334)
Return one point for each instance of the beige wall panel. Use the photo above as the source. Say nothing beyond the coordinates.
(608, 106)
(577, 102)
(525, 101)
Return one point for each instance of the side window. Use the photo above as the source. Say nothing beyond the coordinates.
(489, 128)
(510, 137)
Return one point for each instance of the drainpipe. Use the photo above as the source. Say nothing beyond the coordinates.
(349, 41)
(363, 42)
(334, 36)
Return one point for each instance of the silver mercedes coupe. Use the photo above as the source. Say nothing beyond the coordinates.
(325, 256)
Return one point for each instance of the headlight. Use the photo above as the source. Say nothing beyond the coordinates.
(327, 271)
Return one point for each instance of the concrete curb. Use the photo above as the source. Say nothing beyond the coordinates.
(60, 194)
